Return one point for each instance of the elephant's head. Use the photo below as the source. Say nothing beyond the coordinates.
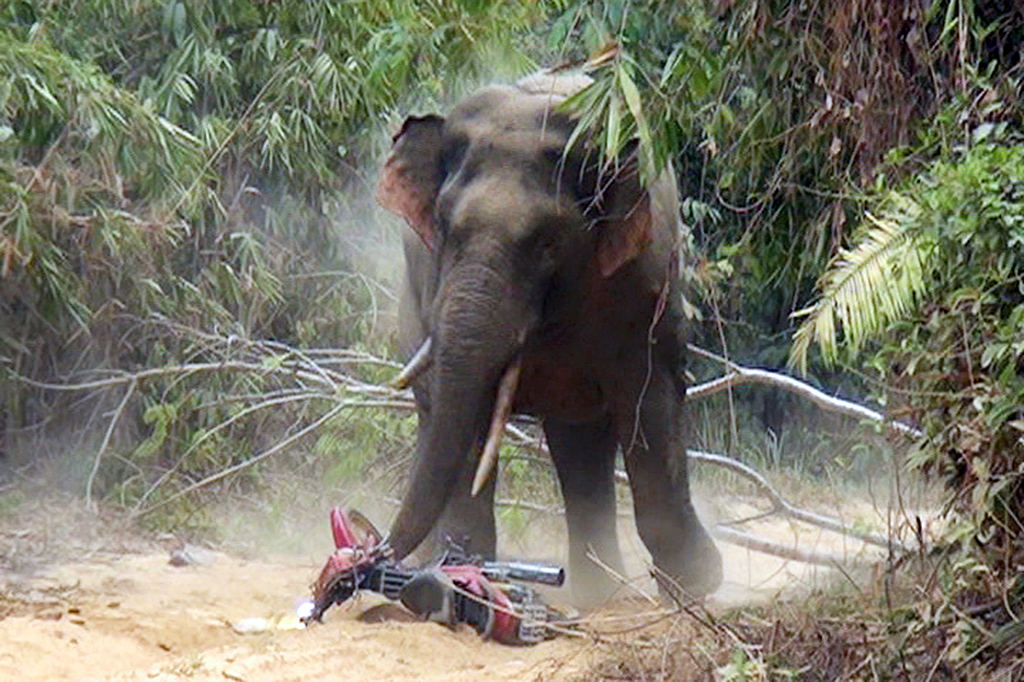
(515, 223)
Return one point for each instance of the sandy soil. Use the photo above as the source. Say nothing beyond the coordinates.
(137, 617)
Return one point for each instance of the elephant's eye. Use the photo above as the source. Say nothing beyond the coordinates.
(540, 249)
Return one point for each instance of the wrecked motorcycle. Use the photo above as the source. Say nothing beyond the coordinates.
(487, 595)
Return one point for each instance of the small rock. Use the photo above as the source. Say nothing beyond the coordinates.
(191, 555)
(251, 626)
(233, 674)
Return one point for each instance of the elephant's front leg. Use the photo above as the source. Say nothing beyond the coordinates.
(655, 454)
(584, 457)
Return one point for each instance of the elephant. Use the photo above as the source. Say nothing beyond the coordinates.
(542, 282)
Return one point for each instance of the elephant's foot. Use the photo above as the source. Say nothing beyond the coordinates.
(694, 574)
(594, 582)
(687, 560)
(591, 586)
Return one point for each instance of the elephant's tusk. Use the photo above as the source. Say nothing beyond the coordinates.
(502, 410)
(420, 363)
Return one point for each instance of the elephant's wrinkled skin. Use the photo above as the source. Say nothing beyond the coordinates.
(524, 252)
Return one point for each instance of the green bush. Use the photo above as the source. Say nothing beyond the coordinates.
(933, 294)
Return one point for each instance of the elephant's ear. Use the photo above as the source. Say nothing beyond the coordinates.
(626, 228)
(412, 175)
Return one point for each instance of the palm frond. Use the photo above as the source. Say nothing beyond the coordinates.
(875, 283)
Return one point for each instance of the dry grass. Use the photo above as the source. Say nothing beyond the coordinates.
(39, 526)
(893, 630)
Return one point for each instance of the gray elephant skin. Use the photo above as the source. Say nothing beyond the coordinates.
(540, 275)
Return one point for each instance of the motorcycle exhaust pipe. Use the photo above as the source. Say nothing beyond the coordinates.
(527, 571)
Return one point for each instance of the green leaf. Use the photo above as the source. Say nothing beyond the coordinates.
(632, 97)
(274, 361)
(866, 287)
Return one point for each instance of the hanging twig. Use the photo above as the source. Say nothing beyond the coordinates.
(103, 446)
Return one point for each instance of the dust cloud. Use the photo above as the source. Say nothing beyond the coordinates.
(114, 607)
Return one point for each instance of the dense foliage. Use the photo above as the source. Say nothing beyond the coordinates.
(930, 296)
(177, 174)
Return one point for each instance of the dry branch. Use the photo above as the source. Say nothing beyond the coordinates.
(783, 508)
(103, 446)
(745, 375)
(318, 376)
(780, 506)
(224, 473)
(735, 537)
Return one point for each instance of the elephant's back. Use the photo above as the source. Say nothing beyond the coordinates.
(561, 84)
(530, 105)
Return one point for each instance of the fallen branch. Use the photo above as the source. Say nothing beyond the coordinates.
(317, 377)
(735, 537)
(783, 508)
(721, 532)
(744, 375)
(780, 506)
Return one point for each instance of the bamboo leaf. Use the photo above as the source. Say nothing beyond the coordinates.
(632, 97)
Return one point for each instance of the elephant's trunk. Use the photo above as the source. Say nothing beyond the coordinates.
(478, 332)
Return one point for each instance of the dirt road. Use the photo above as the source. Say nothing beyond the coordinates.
(139, 618)
(135, 616)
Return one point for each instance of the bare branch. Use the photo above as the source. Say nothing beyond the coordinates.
(735, 537)
(103, 446)
(779, 504)
(117, 378)
(745, 375)
(310, 371)
(272, 402)
(784, 508)
(224, 473)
